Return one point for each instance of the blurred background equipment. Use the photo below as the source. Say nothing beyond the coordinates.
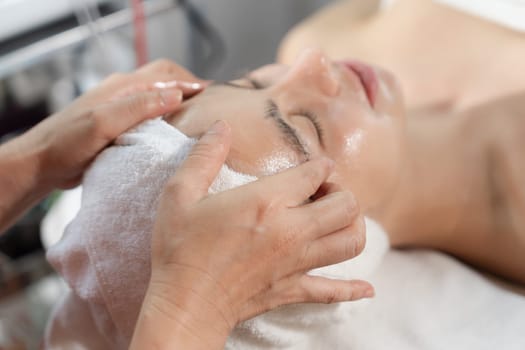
(54, 50)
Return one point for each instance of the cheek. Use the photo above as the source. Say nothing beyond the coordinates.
(354, 143)
(276, 163)
(383, 151)
(259, 154)
(261, 164)
(385, 161)
(370, 161)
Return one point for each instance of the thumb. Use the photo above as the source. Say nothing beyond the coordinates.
(201, 167)
(116, 117)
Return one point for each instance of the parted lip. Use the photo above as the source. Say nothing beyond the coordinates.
(367, 77)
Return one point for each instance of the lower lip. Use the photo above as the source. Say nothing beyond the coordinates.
(368, 78)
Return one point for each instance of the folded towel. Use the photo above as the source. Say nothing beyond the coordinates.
(105, 253)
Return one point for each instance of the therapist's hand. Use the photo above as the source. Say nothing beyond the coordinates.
(160, 73)
(223, 258)
(66, 142)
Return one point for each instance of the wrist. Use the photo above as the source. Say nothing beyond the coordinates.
(20, 179)
(181, 319)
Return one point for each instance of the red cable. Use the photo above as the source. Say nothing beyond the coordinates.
(139, 26)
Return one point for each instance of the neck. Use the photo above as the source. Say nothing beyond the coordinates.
(434, 189)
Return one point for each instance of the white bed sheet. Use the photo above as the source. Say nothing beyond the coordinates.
(424, 300)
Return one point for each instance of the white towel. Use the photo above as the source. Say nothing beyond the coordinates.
(424, 299)
(105, 253)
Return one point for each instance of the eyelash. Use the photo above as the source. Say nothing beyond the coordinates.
(300, 145)
(314, 119)
(271, 110)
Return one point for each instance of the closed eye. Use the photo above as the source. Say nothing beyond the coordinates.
(253, 84)
(257, 85)
(315, 121)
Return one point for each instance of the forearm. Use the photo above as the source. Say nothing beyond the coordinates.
(20, 184)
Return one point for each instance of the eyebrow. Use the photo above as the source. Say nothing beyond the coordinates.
(289, 134)
(273, 112)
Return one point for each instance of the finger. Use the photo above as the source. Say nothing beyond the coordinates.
(327, 214)
(199, 170)
(306, 289)
(167, 70)
(188, 89)
(306, 179)
(315, 289)
(336, 247)
(325, 189)
(112, 119)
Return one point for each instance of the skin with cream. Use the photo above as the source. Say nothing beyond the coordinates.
(283, 116)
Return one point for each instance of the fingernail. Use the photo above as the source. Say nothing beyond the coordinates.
(192, 86)
(369, 293)
(218, 127)
(171, 96)
(179, 84)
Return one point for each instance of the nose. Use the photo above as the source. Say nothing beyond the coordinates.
(314, 70)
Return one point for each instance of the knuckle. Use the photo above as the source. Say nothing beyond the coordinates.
(89, 116)
(330, 296)
(173, 187)
(264, 209)
(96, 120)
(349, 207)
(315, 225)
(354, 242)
(311, 179)
(201, 153)
(135, 104)
(350, 202)
(359, 236)
(351, 295)
(305, 258)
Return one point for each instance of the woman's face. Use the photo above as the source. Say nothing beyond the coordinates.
(281, 116)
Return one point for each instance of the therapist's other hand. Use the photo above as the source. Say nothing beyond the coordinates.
(160, 73)
(68, 141)
(223, 258)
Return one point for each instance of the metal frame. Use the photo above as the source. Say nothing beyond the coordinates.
(42, 50)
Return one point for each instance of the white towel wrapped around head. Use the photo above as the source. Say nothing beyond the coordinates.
(105, 253)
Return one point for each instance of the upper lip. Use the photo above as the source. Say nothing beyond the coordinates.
(367, 78)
